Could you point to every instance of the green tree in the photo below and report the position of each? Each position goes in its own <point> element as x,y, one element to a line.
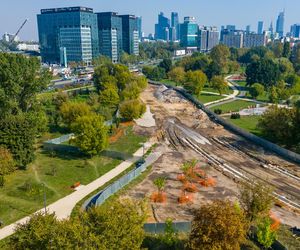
<point>17,134</point>
<point>101,60</point>
<point>277,48</point>
<point>109,96</point>
<point>220,55</point>
<point>90,134</point>
<point>286,50</point>
<point>218,83</point>
<point>265,234</point>
<point>166,64</point>
<point>177,75</point>
<point>7,163</point>
<point>117,225</point>
<point>273,96</point>
<point>122,74</point>
<point>256,199</point>
<point>132,109</point>
<point>70,111</point>
<point>160,183</point>
<point>219,225</point>
<point>256,90</point>
<point>195,81</point>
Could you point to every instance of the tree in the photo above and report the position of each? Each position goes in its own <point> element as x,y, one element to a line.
<point>109,96</point>
<point>90,134</point>
<point>277,49</point>
<point>160,183</point>
<point>264,71</point>
<point>7,163</point>
<point>219,225</point>
<point>117,225</point>
<point>265,234</point>
<point>220,55</point>
<point>132,109</point>
<point>166,64</point>
<point>218,83</point>
<point>286,50</point>
<point>17,134</point>
<point>256,90</point>
<point>195,81</point>
<point>256,199</point>
<point>177,75</point>
<point>122,74</point>
<point>100,60</point>
<point>70,111</point>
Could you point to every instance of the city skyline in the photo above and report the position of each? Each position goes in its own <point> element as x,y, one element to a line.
<point>267,12</point>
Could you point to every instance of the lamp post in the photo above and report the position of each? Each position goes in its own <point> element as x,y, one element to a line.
<point>45,202</point>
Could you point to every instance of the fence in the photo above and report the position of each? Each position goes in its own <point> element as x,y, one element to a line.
<point>159,228</point>
<point>57,144</point>
<point>289,155</point>
<point>103,195</point>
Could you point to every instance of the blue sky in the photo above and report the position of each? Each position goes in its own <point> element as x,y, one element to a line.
<point>207,12</point>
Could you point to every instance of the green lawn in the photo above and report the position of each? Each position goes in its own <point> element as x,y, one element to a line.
<point>249,123</point>
<point>241,83</point>
<point>205,98</point>
<point>23,190</point>
<point>234,106</point>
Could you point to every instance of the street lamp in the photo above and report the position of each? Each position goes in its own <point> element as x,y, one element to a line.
<point>45,202</point>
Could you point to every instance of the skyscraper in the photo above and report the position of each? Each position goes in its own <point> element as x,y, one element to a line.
<point>280,24</point>
<point>175,25</point>
<point>161,26</point>
<point>208,38</point>
<point>110,35</point>
<point>295,30</point>
<point>139,26</point>
<point>68,34</point>
<point>248,28</point>
<point>189,33</point>
<point>260,27</point>
<point>130,34</point>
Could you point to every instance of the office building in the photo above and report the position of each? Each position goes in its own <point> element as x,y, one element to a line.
<point>248,28</point>
<point>189,33</point>
<point>139,27</point>
<point>280,24</point>
<point>161,27</point>
<point>295,31</point>
<point>69,32</point>
<point>174,26</point>
<point>208,38</point>
<point>260,27</point>
<point>130,34</point>
<point>233,38</point>
<point>110,35</point>
<point>254,40</point>
<point>172,34</point>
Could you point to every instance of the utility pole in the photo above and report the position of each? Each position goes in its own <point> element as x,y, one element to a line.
<point>45,202</point>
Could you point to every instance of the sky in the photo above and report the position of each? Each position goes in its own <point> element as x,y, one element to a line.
<point>207,12</point>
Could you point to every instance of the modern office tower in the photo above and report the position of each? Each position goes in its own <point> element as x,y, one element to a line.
<point>226,30</point>
<point>110,35</point>
<point>160,27</point>
<point>260,27</point>
<point>230,27</point>
<point>189,33</point>
<point>248,28</point>
<point>254,40</point>
<point>208,38</point>
<point>139,26</point>
<point>295,30</point>
<point>130,34</point>
<point>72,30</point>
<point>233,38</point>
<point>175,24</point>
<point>280,24</point>
<point>173,34</point>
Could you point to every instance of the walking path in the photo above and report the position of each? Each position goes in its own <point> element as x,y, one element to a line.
<point>228,97</point>
<point>63,207</point>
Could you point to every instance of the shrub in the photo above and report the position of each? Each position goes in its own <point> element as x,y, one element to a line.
<point>235,116</point>
<point>218,111</point>
<point>132,109</point>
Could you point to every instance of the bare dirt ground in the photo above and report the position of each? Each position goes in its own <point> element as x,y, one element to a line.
<point>186,133</point>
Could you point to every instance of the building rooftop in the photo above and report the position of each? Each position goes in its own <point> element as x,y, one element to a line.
<point>66,9</point>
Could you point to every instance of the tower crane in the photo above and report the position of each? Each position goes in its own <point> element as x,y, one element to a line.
<point>21,27</point>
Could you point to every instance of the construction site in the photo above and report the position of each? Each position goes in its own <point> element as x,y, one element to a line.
<point>222,160</point>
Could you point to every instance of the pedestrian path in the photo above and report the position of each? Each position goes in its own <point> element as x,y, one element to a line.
<point>63,207</point>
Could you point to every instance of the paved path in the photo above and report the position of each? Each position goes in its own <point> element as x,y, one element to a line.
<point>63,207</point>
<point>228,97</point>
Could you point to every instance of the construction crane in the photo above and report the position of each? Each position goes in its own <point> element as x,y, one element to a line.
<point>15,35</point>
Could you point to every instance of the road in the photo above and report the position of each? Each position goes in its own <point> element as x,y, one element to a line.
<point>63,207</point>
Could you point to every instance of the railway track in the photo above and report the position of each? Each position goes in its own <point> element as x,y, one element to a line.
<point>289,196</point>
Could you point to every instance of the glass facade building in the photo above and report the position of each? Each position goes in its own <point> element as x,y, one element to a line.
<point>130,34</point>
<point>161,27</point>
<point>189,33</point>
<point>73,30</point>
<point>280,24</point>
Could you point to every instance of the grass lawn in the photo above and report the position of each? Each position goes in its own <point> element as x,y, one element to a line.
<point>234,106</point>
<point>241,83</point>
<point>249,123</point>
<point>205,98</point>
<point>23,190</point>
